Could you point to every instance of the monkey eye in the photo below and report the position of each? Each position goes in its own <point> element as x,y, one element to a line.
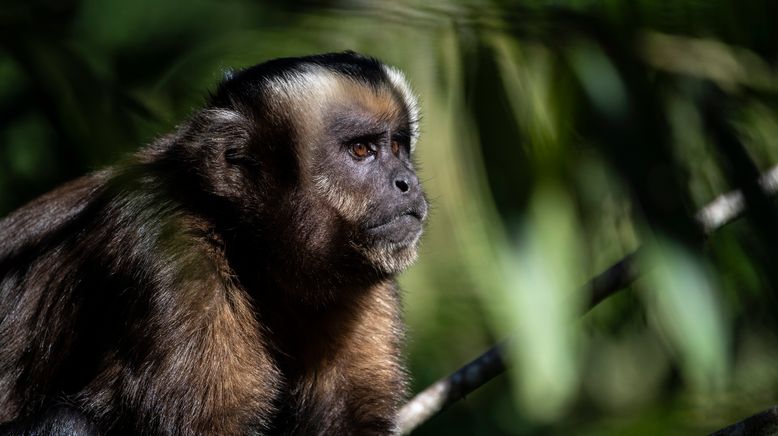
<point>395,148</point>
<point>361,150</point>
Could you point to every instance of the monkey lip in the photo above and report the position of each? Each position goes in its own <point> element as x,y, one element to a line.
<point>405,227</point>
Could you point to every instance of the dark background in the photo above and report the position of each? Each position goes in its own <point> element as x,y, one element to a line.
<point>557,137</point>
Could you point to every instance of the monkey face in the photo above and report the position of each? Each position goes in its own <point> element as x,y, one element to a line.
<point>363,170</point>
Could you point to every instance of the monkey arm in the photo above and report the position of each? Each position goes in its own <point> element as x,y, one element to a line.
<point>353,380</point>
<point>375,362</point>
<point>194,355</point>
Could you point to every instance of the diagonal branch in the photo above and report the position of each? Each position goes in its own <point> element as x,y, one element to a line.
<point>764,423</point>
<point>446,391</point>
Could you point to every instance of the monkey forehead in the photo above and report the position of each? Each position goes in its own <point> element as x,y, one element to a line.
<point>364,112</point>
<point>312,96</point>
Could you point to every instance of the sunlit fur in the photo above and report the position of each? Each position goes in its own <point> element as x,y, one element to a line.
<point>392,258</point>
<point>409,98</point>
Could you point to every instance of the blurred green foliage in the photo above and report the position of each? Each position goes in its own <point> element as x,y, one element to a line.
<point>558,136</point>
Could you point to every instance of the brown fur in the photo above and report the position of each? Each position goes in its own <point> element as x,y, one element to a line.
<point>213,284</point>
<point>344,361</point>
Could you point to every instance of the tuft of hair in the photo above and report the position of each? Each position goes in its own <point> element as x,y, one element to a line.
<point>314,73</point>
<point>400,82</point>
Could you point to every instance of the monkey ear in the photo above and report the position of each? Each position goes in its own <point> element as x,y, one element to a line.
<point>221,137</point>
<point>227,132</point>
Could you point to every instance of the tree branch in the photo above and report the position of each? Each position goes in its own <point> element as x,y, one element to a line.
<point>446,391</point>
<point>764,423</point>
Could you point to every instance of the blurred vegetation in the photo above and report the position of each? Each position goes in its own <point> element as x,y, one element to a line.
<point>558,136</point>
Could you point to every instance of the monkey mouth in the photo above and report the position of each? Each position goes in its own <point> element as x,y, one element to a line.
<point>400,229</point>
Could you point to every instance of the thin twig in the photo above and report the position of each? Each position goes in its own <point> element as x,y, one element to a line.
<point>446,391</point>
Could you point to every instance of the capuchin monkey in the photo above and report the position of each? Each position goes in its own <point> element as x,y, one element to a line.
<point>234,277</point>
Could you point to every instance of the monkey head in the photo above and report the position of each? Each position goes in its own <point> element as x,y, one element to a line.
<point>330,140</point>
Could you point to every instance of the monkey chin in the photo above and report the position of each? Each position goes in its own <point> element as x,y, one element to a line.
<point>391,257</point>
<point>392,246</point>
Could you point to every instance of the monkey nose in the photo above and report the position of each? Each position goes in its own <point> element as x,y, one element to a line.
<point>406,182</point>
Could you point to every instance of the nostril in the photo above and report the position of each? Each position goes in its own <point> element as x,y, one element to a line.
<point>402,185</point>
